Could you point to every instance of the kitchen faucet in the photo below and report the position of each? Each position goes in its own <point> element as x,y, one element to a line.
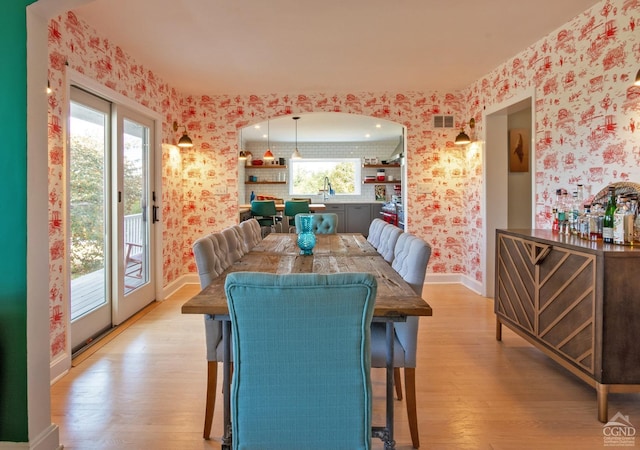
<point>326,189</point>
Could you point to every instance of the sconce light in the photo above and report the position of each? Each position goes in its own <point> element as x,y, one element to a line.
<point>268,155</point>
<point>185,141</point>
<point>296,154</point>
<point>637,83</point>
<point>49,90</point>
<point>463,138</point>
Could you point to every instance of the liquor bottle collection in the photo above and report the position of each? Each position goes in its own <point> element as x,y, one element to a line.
<point>615,222</point>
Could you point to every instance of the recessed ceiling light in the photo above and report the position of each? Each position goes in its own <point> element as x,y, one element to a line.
<point>378,125</point>
<point>367,135</point>
<point>257,126</point>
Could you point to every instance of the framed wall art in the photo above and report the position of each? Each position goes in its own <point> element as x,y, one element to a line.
<point>519,142</point>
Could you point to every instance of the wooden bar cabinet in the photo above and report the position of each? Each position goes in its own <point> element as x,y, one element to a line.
<point>578,301</point>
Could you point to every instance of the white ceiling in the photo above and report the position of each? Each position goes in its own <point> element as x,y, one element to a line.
<point>285,46</point>
<point>312,127</point>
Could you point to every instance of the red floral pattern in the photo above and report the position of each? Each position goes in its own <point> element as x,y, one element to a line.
<point>587,118</point>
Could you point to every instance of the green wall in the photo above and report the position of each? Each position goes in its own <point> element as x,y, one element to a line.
<point>13,228</point>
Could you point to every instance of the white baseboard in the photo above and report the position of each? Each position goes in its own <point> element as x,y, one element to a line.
<point>173,287</point>
<point>59,367</point>
<point>49,439</point>
<point>452,278</point>
<point>442,278</point>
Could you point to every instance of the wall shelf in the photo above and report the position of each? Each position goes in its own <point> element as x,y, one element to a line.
<point>382,182</point>
<point>268,166</point>
<point>381,166</point>
<point>265,182</point>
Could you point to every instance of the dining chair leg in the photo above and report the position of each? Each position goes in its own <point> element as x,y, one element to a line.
<point>410,390</point>
<point>212,381</point>
<point>397,380</point>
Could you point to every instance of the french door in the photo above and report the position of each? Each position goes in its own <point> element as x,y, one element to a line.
<point>110,199</point>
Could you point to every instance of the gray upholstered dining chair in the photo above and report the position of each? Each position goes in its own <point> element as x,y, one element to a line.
<point>323,223</point>
<point>251,232</point>
<point>236,246</point>
<point>375,228</point>
<point>211,260</point>
<point>285,328</point>
<point>388,238</point>
<point>410,260</point>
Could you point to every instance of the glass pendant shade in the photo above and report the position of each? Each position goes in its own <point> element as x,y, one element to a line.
<point>242,155</point>
<point>296,153</point>
<point>637,83</point>
<point>268,155</point>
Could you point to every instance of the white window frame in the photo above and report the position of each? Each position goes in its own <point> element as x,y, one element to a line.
<point>319,162</point>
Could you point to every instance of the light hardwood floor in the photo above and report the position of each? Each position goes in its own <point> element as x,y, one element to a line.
<point>145,388</point>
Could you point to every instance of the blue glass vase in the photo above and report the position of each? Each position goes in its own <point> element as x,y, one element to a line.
<point>306,238</point>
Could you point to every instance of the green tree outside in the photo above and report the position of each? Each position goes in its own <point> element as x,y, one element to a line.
<point>87,200</point>
<point>309,177</point>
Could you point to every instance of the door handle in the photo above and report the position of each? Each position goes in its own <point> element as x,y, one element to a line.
<point>155,214</point>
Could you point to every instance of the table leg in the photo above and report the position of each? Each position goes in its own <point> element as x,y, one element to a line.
<point>226,384</point>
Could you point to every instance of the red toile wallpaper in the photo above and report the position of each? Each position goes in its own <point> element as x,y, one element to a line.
<point>587,115</point>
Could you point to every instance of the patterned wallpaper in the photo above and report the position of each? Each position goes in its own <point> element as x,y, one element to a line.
<point>587,115</point>
<point>587,111</point>
<point>74,44</point>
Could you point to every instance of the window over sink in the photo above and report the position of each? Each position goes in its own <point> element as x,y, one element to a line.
<point>309,176</point>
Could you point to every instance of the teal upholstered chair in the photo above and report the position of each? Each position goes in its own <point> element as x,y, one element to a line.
<point>323,223</point>
<point>293,207</point>
<point>265,212</point>
<point>411,256</point>
<point>301,377</point>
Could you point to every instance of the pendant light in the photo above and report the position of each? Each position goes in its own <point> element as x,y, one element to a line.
<point>637,83</point>
<point>296,153</point>
<point>242,155</point>
<point>268,155</point>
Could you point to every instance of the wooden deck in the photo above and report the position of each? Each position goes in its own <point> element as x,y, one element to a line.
<point>88,291</point>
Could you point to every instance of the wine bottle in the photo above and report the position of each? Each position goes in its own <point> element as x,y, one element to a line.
<point>607,223</point>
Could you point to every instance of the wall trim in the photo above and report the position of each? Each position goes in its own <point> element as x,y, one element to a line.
<point>59,367</point>
<point>47,440</point>
<point>452,278</point>
<point>174,286</point>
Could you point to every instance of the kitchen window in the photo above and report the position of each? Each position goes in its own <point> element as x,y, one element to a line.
<point>310,176</point>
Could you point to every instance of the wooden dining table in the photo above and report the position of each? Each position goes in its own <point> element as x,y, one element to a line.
<point>278,253</point>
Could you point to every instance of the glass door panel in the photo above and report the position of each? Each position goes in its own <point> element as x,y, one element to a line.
<point>134,194</point>
<point>88,224</point>
<point>134,181</point>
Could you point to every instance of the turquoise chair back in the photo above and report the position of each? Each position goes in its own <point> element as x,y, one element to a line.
<point>323,223</point>
<point>293,207</point>
<point>265,212</point>
<point>301,377</point>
